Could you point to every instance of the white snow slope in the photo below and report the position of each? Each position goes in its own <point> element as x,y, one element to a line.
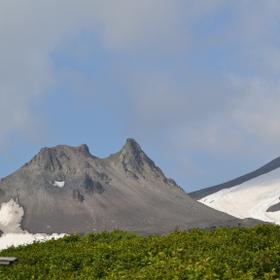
<point>15,239</point>
<point>250,199</point>
<point>11,214</point>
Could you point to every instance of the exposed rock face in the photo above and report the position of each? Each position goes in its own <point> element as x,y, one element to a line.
<point>274,208</point>
<point>66,189</point>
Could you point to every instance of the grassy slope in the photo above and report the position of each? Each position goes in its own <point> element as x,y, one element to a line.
<point>235,253</point>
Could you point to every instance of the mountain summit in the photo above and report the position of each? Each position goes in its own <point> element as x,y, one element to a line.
<point>59,158</point>
<point>67,189</point>
<point>133,160</point>
<point>132,157</point>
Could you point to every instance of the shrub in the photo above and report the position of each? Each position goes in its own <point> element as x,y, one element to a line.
<point>223,253</point>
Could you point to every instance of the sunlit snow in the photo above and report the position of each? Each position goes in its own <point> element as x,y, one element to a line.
<point>250,199</point>
<point>59,184</point>
<point>16,239</point>
<point>11,214</point>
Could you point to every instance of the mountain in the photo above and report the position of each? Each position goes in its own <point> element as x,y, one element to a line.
<point>66,189</point>
<point>254,195</point>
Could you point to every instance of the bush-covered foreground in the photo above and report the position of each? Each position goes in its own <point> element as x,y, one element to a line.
<point>235,253</point>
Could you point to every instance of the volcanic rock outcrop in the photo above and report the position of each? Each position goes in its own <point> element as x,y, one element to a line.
<point>66,189</point>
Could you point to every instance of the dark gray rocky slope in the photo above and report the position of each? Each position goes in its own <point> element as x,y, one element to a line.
<point>272,165</point>
<point>124,191</point>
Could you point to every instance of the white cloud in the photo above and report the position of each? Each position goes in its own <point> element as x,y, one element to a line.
<point>257,111</point>
<point>227,114</point>
<point>31,31</point>
<point>211,111</point>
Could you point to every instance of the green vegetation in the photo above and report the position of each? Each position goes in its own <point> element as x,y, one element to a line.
<point>224,253</point>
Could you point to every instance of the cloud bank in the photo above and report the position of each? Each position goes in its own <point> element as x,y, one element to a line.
<point>200,75</point>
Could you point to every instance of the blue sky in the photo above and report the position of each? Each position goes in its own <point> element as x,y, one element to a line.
<point>196,83</point>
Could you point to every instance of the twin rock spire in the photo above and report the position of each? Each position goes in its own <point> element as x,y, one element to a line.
<point>131,157</point>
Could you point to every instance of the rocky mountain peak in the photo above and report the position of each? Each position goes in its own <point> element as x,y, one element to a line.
<point>134,160</point>
<point>65,189</point>
<point>60,157</point>
<point>62,160</point>
<point>132,150</point>
<point>84,149</point>
<point>132,156</point>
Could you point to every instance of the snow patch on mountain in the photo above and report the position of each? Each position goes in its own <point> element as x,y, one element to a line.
<point>250,199</point>
<point>15,239</point>
<point>59,184</point>
<point>11,215</point>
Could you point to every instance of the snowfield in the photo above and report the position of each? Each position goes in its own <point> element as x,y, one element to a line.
<point>15,239</point>
<point>11,214</point>
<point>250,199</point>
